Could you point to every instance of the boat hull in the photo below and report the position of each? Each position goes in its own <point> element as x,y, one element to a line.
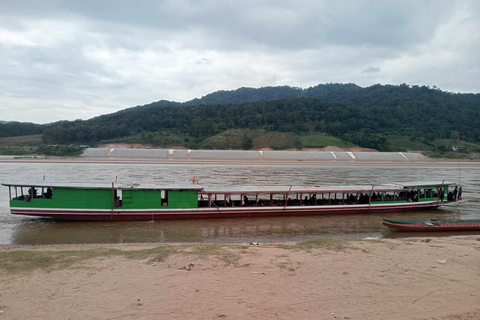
<point>214,212</point>
<point>433,226</point>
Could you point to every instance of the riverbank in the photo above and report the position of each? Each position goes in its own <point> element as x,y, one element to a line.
<point>437,163</point>
<point>431,278</point>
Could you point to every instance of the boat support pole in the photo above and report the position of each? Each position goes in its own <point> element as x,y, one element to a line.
<point>438,198</point>
<point>370,198</point>
<point>286,199</point>
<point>113,200</point>
<point>213,202</point>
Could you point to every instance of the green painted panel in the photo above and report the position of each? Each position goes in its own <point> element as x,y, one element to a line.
<point>141,199</point>
<point>182,199</point>
<point>70,199</point>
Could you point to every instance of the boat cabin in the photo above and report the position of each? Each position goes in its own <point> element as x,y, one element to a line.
<point>101,195</point>
<point>116,196</point>
<point>311,196</point>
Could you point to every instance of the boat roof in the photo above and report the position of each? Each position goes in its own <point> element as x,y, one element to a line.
<point>229,189</point>
<point>299,189</point>
<point>103,185</point>
<point>427,183</point>
<point>321,189</point>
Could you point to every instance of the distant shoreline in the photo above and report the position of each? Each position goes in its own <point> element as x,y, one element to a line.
<point>239,162</point>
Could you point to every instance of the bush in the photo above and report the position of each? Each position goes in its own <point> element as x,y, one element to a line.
<point>59,150</point>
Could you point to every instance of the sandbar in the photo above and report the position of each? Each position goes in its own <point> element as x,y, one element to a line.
<point>424,279</point>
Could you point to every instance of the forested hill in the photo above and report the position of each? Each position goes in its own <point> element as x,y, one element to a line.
<point>363,116</point>
<point>360,115</point>
<point>13,128</point>
<point>376,95</point>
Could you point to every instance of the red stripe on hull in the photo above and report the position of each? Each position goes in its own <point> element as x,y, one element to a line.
<point>145,215</point>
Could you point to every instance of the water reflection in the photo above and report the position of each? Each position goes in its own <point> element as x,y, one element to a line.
<point>271,229</point>
<point>21,230</point>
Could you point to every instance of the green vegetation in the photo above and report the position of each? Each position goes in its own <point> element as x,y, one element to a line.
<point>21,145</point>
<point>232,139</point>
<point>27,260</point>
<point>31,140</point>
<point>14,129</point>
<point>448,144</point>
<point>402,143</point>
<point>40,149</point>
<point>59,150</point>
<point>276,140</point>
<point>320,140</point>
<point>383,117</point>
<point>165,139</point>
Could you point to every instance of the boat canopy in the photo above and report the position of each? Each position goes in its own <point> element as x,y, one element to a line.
<point>230,189</point>
<point>417,184</point>
<point>102,185</point>
<point>301,189</point>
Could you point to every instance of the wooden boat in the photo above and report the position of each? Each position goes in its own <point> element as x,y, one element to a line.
<point>116,201</point>
<point>433,225</point>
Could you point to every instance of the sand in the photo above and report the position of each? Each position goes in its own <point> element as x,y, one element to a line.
<point>431,278</point>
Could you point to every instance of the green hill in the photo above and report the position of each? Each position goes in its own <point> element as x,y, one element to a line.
<point>383,117</point>
<point>321,140</point>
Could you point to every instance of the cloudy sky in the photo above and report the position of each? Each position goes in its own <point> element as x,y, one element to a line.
<point>79,59</point>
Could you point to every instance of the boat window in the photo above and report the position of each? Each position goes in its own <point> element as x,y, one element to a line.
<point>388,196</point>
<point>402,195</point>
<point>35,192</point>
<point>218,200</point>
<point>263,200</point>
<point>428,193</point>
<point>350,198</point>
<point>14,193</point>
<point>164,195</point>
<point>118,197</point>
<point>47,193</point>
<point>335,198</point>
<point>202,200</point>
<point>310,199</point>
<point>322,199</point>
<point>248,200</point>
<point>279,199</point>
<point>293,199</point>
<point>421,193</point>
<point>376,196</point>
<point>435,193</point>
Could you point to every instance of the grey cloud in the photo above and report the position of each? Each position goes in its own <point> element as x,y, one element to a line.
<point>371,70</point>
<point>108,55</point>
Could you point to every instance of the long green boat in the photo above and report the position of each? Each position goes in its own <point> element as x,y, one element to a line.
<point>117,201</point>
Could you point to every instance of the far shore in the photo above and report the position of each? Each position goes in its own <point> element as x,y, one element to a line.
<point>332,163</point>
<point>370,279</point>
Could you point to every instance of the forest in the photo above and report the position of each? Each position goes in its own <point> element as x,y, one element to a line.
<point>362,116</point>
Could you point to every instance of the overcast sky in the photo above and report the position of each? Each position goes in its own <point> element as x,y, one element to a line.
<point>79,59</point>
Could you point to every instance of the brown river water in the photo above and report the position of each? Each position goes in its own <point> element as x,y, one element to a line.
<point>18,230</point>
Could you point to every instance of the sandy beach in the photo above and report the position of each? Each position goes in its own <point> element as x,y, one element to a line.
<point>430,278</point>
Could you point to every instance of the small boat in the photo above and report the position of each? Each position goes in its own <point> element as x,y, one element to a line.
<point>118,201</point>
<point>433,225</point>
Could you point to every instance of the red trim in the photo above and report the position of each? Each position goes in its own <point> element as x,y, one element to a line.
<point>105,215</point>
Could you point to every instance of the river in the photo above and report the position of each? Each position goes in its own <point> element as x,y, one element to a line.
<point>18,230</point>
